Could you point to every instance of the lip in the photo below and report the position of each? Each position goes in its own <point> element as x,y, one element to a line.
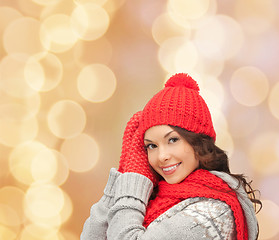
<point>172,170</point>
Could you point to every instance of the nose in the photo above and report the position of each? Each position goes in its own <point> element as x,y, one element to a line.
<point>164,154</point>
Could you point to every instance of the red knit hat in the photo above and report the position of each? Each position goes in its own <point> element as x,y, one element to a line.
<point>178,104</point>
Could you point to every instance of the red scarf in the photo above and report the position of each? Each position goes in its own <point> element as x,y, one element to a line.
<point>200,183</point>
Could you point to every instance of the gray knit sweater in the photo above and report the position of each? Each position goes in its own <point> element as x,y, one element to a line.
<point>120,213</point>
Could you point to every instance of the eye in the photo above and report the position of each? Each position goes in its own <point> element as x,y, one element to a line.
<point>150,146</point>
<point>173,139</point>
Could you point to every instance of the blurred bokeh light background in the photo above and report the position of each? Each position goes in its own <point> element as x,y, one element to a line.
<point>72,72</point>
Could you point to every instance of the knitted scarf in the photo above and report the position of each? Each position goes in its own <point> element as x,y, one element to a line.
<point>200,183</point>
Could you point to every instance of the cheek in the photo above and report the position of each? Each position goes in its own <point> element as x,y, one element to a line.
<point>191,159</point>
<point>151,160</point>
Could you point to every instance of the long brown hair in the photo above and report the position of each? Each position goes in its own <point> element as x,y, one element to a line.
<point>212,157</point>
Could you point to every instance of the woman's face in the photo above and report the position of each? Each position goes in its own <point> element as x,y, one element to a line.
<point>169,154</point>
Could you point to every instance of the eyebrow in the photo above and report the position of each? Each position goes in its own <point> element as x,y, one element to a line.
<point>164,136</point>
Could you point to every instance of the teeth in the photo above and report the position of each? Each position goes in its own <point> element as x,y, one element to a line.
<point>170,168</point>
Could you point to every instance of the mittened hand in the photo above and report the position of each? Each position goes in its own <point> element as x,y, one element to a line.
<point>137,160</point>
<point>134,157</point>
<point>129,132</point>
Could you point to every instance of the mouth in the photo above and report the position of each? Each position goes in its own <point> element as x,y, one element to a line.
<point>170,169</point>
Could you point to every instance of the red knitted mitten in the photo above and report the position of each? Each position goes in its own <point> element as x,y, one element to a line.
<point>133,156</point>
<point>129,132</point>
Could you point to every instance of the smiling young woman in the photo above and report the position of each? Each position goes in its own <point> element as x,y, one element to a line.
<point>173,182</point>
<point>170,155</point>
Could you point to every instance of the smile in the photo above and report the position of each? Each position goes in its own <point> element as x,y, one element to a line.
<point>171,168</point>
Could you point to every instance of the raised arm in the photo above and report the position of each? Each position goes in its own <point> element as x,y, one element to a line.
<point>95,227</point>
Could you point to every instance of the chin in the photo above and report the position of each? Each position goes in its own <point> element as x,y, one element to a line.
<point>173,181</point>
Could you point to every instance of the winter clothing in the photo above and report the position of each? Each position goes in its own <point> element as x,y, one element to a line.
<point>200,183</point>
<point>133,156</point>
<point>178,104</point>
<point>205,205</point>
<point>120,213</point>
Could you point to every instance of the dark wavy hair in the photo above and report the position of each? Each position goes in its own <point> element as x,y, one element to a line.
<point>212,157</point>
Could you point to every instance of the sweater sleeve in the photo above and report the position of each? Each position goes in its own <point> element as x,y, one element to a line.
<point>95,227</point>
<point>126,216</point>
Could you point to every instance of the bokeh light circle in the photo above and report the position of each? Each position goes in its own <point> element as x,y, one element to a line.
<point>43,71</point>
<point>219,37</point>
<point>46,2</point>
<point>99,2</point>
<point>67,209</point>
<point>66,119</point>
<point>212,67</point>
<point>186,57</point>
<point>90,21</point>
<point>14,132</point>
<point>163,28</point>
<point>19,108</point>
<point>18,121</point>
<point>219,120</point>
<point>12,76</point>
<point>81,152</point>
<point>44,166</point>
<point>21,158</point>
<point>225,141</point>
<point>56,33</point>
<point>273,101</point>
<point>44,200</point>
<point>167,52</point>
<point>62,169</point>
<point>50,166</point>
<point>8,15</point>
<point>57,217</point>
<point>22,36</point>
<point>263,153</point>
<point>41,219</point>
<point>249,86</point>
<point>96,83</point>
<point>212,92</point>
<point>188,9</point>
